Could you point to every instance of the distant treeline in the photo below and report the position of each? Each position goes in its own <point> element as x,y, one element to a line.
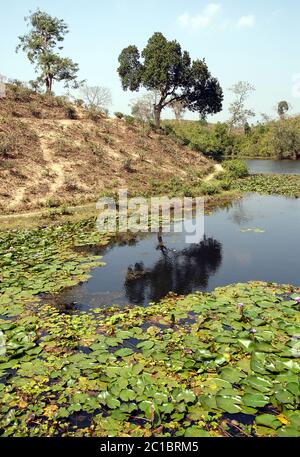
<point>274,139</point>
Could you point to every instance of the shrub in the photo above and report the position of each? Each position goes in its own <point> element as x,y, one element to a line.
<point>108,140</point>
<point>53,203</point>
<point>119,115</point>
<point>93,114</point>
<point>71,112</point>
<point>129,120</point>
<point>142,154</point>
<point>6,145</point>
<point>36,112</point>
<point>61,101</point>
<point>96,149</point>
<point>236,168</point>
<point>79,102</point>
<point>168,129</point>
<point>20,92</point>
<point>226,184</point>
<point>127,165</point>
<point>210,188</point>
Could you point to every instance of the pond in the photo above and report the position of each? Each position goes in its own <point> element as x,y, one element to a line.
<point>255,238</point>
<point>274,166</point>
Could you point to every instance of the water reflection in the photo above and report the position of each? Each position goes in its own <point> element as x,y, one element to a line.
<point>256,238</point>
<point>274,166</point>
<point>175,271</point>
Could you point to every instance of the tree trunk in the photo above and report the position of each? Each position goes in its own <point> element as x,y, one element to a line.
<point>48,81</point>
<point>157,113</point>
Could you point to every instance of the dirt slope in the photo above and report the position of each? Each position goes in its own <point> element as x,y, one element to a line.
<point>46,161</point>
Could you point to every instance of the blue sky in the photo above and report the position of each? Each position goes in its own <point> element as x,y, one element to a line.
<point>257,41</point>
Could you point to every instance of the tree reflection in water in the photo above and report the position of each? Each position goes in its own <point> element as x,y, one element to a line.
<point>175,271</point>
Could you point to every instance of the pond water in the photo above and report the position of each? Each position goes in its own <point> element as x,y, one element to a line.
<point>255,238</point>
<point>274,166</point>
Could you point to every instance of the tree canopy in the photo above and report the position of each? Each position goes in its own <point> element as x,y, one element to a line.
<point>163,67</point>
<point>282,108</point>
<point>42,44</point>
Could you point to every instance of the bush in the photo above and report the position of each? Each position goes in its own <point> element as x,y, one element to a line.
<point>236,168</point>
<point>127,165</point>
<point>79,102</point>
<point>71,112</point>
<point>211,188</point>
<point>93,114</point>
<point>119,115</point>
<point>36,112</point>
<point>168,129</point>
<point>96,149</point>
<point>129,120</point>
<point>20,92</point>
<point>6,145</point>
<point>53,203</point>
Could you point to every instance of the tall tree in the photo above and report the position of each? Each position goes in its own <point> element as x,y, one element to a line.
<point>167,69</point>
<point>42,44</point>
<point>282,108</point>
<point>239,113</point>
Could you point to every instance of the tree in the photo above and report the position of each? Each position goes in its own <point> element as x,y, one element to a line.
<point>96,98</point>
<point>178,109</point>
<point>282,109</point>
<point>170,72</point>
<point>286,139</point>
<point>143,108</point>
<point>40,44</point>
<point>239,113</point>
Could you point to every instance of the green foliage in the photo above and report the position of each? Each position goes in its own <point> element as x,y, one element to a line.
<point>129,120</point>
<point>47,34</point>
<point>212,140</point>
<point>288,185</point>
<point>169,71</point>
<point>275,139</point>
<point>211,188</point>
<point>19,92</point>
<point>53,203</point>
<point>114,367</point>
<point>119,115</point>
<point>282,108</point>
<point>236,168</point>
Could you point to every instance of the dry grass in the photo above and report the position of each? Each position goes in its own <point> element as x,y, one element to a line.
<point>49,159</point>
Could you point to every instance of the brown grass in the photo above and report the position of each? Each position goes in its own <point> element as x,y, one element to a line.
<point>52,159</point>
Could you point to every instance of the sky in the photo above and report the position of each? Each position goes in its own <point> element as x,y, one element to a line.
<point>241,40</point>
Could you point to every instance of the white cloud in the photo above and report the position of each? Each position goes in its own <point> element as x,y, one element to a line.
<point>246,21</point>
<point>202,20</point>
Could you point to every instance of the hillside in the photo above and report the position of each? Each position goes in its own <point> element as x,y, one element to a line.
<point>54,152</point>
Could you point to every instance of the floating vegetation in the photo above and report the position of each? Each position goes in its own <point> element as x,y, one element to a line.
<point>219,364</point>
<point>45,260</point>
<point>288,185</point>
<point>253,230</point>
